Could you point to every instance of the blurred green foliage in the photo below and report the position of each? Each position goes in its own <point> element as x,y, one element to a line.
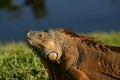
<point>110,38</point>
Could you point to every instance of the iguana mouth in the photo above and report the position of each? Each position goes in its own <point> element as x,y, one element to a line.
<point>52,56</point>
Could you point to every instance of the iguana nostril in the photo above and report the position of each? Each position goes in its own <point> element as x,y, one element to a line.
<point>29,34</point>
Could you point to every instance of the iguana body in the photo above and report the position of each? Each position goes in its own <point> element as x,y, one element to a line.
<point>78,57</point>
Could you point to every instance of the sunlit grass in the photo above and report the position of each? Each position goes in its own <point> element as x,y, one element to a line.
<point>18,62</point>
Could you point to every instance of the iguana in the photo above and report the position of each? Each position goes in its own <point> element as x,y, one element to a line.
<point>69,56</point>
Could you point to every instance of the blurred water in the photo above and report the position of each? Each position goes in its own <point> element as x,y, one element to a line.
<point>19,16</point>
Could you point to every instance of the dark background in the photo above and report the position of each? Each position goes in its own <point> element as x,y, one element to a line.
<point>19,16</point>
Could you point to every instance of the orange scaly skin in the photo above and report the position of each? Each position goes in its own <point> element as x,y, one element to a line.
<point>77,57</point>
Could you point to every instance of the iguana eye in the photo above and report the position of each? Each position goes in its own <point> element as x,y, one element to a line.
<point>40,35</point>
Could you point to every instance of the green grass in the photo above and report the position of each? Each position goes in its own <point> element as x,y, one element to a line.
<point>18,62</point>
<point>111,38</point>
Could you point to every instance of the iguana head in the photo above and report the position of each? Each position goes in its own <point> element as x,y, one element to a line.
<point>45,44</point>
